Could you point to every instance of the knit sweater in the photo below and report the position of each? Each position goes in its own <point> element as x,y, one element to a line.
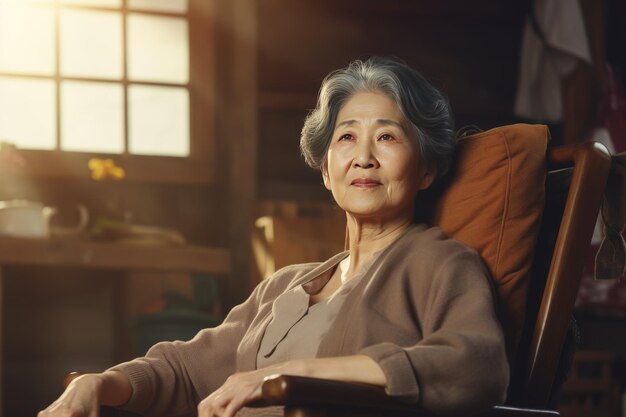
<point>424,311</point>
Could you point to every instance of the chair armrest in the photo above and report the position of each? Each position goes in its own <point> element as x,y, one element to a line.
<point>505,411</point>
<point>300,391</point>
<point>69,378</point>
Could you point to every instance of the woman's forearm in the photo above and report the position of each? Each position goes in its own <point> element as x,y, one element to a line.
<point>108,388</point>
<point>115,389</point>
<point>85,394</point>
<point>354,368</point>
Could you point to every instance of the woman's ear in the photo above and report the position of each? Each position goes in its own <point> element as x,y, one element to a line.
<point>325,177</point>
<point>426,180</point>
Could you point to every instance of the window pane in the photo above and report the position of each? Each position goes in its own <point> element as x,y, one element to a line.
<point>26,39</point>
<point>157,49</point>
<point>100,3</point>
<point>28,112</point>
<point>158,120</point>
<point>92,117</point>
<point>28,1</point>
<point>172,6</point>
<point>91,44</point>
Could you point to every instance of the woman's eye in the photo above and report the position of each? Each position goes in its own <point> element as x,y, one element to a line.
<point>347,136</point>
<point>385,137</point>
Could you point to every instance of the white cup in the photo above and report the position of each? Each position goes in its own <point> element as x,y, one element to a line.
<point>29,219</point>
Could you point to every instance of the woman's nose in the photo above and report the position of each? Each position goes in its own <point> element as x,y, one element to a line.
<point>365,157</point>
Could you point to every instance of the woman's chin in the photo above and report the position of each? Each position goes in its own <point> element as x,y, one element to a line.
<point>367,213</point>
<point>377,213</point>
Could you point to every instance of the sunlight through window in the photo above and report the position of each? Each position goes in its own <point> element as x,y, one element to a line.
<point>157,49</point>
<point>159,120</point>
<point>26,48</point>
<point>91,117</point>
<point>91,44</point>
<point>28,112</point>
<point>106,76</point>
<point>101,3</point>
<point>174,6</point>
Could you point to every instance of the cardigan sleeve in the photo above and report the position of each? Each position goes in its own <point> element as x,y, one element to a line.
<point>460,363</point>
<point>174,376</point>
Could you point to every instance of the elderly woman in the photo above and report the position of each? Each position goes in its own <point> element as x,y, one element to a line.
<point>405,308</point>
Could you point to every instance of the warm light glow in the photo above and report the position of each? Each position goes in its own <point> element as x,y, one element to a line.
<point>99,3</point>
<point>27,2</point>
<point>157,49</point>
<point>159,120</point>
<point>89,80</point>
<point>26,48</point>
<point>28,112</point>
<point>171,6</point>
<point>92,119</point>
<point>91,44</point>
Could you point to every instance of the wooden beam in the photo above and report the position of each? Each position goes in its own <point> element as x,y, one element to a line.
<point>1,345</point>
<point>137,168</point>
<point>237,133</point>
<point>582,88</point>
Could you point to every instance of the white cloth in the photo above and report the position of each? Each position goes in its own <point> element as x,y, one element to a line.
<point>544,62</point>
<point>602,135</point>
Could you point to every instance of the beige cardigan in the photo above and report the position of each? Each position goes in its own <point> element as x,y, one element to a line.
<point>424,312</point>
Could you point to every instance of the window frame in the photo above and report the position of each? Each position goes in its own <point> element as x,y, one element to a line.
<point>197,168</point>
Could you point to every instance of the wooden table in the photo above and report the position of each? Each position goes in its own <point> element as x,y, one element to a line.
<point>111,255</point>
<point>74,252</point>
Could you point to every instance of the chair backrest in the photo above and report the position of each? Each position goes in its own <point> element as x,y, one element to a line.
<point>531,230</point>
<point>574,191</point>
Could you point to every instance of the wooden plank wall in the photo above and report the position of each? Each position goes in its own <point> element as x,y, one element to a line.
<point>469,49</point>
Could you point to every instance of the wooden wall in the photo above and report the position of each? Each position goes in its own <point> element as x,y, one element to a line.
<point>469,49</point>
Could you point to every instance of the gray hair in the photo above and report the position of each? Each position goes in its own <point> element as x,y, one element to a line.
<point>425,107</point>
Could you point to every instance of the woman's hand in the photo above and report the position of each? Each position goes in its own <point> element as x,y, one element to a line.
<point>85,394</point>
<point>240,389</point>
<point>80,399</point>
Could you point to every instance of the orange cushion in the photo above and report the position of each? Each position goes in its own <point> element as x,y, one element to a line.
<point>494,204</point>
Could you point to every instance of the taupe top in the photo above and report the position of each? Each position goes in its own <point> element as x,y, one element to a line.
<point>297,328</point>
<point>424,311</point>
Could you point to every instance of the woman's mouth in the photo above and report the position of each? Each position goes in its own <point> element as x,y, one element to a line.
<point>365,183</point>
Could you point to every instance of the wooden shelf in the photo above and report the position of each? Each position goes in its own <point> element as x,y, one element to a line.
<point>65,252</point>
<point>138,168</point>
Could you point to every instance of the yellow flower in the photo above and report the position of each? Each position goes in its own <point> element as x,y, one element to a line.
<point>102,169</point>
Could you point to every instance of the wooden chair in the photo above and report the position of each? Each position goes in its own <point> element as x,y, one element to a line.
<point>574,186</point>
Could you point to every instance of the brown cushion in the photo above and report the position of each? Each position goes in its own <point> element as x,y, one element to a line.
<point>494,204</point>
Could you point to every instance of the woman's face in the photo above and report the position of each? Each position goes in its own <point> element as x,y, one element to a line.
<point>373,164</point>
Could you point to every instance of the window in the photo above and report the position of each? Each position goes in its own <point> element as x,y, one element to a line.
<point>98,76</point>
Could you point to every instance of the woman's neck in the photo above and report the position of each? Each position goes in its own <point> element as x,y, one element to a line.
<point>366,238</point>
